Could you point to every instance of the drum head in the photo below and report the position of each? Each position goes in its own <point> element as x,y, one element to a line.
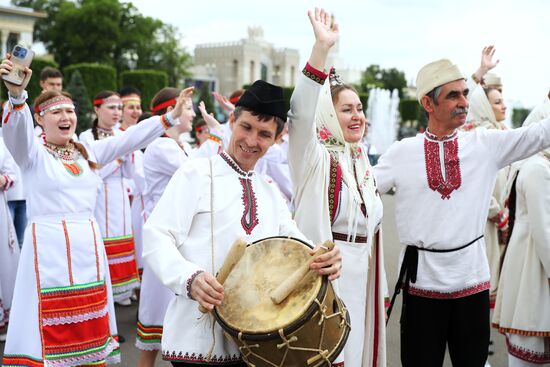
<point>265,264</point>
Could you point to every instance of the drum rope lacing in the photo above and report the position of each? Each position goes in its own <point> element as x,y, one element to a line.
<point>246,349</point>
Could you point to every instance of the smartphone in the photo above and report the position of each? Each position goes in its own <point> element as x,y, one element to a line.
<point>21,58</point>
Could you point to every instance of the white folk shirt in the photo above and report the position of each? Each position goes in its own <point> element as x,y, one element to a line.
<point>437,213</point>
<point>178,244</point>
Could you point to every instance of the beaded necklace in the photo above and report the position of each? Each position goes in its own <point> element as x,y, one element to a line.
<point>68,155</point>
<point>104,133</point>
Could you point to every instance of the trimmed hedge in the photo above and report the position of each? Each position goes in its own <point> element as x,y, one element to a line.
<point>149,82</point>
<point>97,77</point>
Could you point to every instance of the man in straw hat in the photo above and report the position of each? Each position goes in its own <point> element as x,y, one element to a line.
<point>208,204</point>
<point>443,180</point>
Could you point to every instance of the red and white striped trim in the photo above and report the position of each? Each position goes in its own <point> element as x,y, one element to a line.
<point>427,293</point>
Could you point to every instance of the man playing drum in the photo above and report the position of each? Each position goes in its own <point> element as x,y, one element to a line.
<point>209,204</point>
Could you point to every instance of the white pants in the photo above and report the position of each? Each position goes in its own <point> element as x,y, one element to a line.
<point>516,362</point>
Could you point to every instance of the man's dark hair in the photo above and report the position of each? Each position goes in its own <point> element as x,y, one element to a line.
<point>49,72</point>
<point>127,90</point>
<point>262,117</point>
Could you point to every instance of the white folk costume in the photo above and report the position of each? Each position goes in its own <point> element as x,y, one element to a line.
<point>178,245</point>
<point>162,159</point>
<point>63,313</point>
<point>443,190</point>
<point>522,311</point>
<point>335,197</point>
<point>482,116</point>
<point>114,215</point>
<point>9,249</point>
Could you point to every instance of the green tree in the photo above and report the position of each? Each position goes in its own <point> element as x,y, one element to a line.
<point>78,91</point>
<point>376,77</point>
<point>109,32</point>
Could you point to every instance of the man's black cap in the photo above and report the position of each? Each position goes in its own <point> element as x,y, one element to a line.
<point>264,98</point>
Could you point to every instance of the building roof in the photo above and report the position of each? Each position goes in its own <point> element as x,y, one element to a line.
<point>26,12</point>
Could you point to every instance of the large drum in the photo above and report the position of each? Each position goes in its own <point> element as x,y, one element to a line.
<point>309,328</point>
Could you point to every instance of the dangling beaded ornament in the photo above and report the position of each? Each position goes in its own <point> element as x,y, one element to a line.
<point>68,155</point>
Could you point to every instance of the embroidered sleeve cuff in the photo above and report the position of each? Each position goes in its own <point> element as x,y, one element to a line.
<point>18,102</point>
<point>167,120</point>
<point>7,184</point>
<point>190,281</point>
<point>314,74</point>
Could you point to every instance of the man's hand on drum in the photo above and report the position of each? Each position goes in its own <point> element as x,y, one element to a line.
<point>328,264</point>
<point>207,291</point>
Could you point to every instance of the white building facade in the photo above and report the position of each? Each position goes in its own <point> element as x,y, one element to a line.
<point>234,64</point>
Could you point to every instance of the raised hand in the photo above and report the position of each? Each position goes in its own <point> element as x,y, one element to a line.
<point>324,27</point>
<point>487,62</point>
<point>208,118</point>
<point>326,35</point>
<point>5,68</point>
<point>223,102</point>
<point>183,99</point>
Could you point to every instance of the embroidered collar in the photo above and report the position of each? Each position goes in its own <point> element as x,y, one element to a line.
<point>433,137</point>
<point>227,158</point>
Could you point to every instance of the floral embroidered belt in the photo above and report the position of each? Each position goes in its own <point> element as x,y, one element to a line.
<point>409,268</point>
<point>344,237</point>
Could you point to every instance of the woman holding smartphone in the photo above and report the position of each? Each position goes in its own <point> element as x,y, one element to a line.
<point>62,312</point>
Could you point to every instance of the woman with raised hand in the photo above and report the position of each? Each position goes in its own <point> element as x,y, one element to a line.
<point>335,193</point>
<point>112,211</point>
<point>487,110</point>
<point>62,312</point>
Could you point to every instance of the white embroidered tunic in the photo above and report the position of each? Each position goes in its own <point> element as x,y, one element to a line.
<point>443,190</point>
<point>177,244</point>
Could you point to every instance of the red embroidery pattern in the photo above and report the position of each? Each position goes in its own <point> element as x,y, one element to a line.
<point>314,74</point>
<point>436,181</point>
<point>249,220</point>
<point>193,357</point>
<point>334,188</point>
<point>530,355</point>
<point>449,295</point>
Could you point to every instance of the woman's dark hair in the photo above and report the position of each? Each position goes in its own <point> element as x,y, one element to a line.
<point>101,95</point>
<point>127,90</point>
<point>164,95</point>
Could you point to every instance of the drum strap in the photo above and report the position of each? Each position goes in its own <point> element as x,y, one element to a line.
<point>409,268</point>
<point>209,355</point>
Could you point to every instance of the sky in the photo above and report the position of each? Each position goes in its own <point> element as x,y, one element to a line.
<point>405,34</point>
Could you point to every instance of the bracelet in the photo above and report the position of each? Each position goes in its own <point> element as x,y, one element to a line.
<point>167,120</point>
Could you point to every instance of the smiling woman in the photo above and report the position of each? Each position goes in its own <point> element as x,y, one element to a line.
<point>336,196</point>
<point>62,312</point>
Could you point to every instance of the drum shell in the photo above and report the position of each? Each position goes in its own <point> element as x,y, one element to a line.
<point>312,333</point>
